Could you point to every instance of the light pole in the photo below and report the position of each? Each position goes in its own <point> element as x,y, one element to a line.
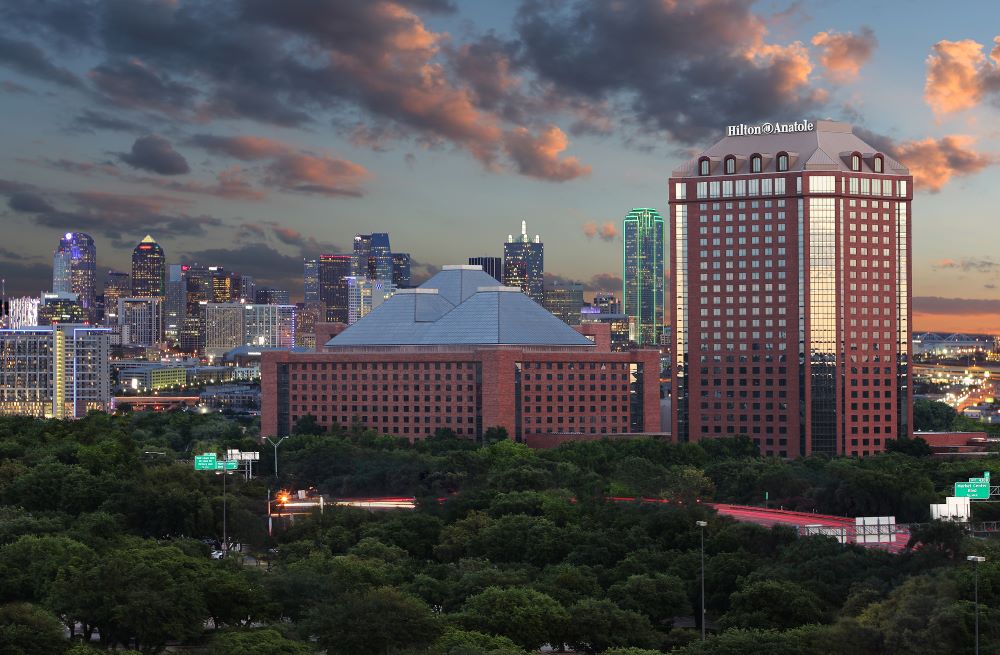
<point>976,559</point>
<point>702,525</point>
<point>276,453</point>
<point>225,535</point>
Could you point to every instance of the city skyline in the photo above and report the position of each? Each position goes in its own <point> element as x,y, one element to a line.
<point>471,106</point>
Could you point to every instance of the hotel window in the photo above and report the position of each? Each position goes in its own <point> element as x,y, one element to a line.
<point>782,161</point>
<point>879,164</point>
<point>703,166</point>
<point>855,162</point>
<point>756,162</point>
<point>730,165</point>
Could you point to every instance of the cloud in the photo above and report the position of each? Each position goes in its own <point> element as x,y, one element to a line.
<point>155,154</point>
<point>954,306</point>
<point>316,174</point>
<point>968,315</point>
<point>266,264</point>
<point>246,148</point>
<point>89,120</point>
<point>933,162</point>
<point>13,87</point>
<point>680,67</point>
<point>28,59</point>
<point>25,278</point>
<point>604,282</point>
<point>843,54</point>
<point>28,202</point>
<point>959,74</point>
<point>538,156</point>
<point>606,231</point>
<point>968,264</point>
<point>134,84</point>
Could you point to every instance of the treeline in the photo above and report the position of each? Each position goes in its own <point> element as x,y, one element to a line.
<point>106,531</point>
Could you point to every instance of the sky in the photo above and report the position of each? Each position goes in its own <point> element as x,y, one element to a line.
<point>253,133</point>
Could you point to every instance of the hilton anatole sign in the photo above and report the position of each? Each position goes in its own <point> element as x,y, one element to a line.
<point>770,128</point>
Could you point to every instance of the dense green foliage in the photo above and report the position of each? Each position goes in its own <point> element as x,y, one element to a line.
<point>103,527</point>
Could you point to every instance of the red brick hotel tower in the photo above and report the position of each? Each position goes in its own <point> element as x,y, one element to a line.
<point>790,274</point>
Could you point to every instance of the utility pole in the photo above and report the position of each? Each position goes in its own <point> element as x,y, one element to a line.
<point>976,559</point>
<point>702,525</point>
<point>276,453</point>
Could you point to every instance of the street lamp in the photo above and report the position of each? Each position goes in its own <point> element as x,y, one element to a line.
<point>976,560</point>
<point>225,535</point>
<point>276,453</point>
<point>702,525</point>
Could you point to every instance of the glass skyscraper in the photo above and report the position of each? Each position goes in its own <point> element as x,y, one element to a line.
<point>310,279</point>
<point>149,270</point>
<point>492,265</point>
<point>642,274</point>
<point>333,273</point>
<point>524,264</point>
<point>401,270</point>
<point>74,268</point>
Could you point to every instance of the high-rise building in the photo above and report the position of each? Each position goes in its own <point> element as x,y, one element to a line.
<point>141,320</point>
<point>564,301</point>
<point>269,326</point>
<point>310,279</point>
<point>149,270</point>
<point>790,275</point>
<point>364,295</point>
<point>117,284</point>
<point>642,274</point>
<point>22,312</point>
<point>198,281</point>
<point>74,269</point>
<point>58,371</point>
<point>225,285</point>
<point>333,273</point>
<point>175,303</point>
<point>524,264</point>
<point>607,303</point>
<point>266,296</point>
<point>223,328</point>
<point>58,308</point>
<point>401,270</point>
<point>380,262</point>
<point>361,254</point>
<point>305,324</point>
<point>248,288</point>
<point>492,265</point>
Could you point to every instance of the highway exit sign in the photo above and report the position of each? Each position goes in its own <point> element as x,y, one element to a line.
<point>973,490</point>
<point>232,465</point>
<point>205,462</point>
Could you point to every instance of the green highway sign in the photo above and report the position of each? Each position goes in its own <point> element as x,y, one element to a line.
<point>974,490</point>
<point>206,462</point>
<point>228,465</point>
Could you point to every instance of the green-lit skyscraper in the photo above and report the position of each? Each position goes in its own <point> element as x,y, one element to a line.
<point>642,273</point>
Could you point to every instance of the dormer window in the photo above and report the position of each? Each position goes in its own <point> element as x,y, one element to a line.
<point>782,161</point>
<point>878,164</point>
<point>856,162</point>
<point>730,165</point>
<point>756,163</point>
<point>703,166</point>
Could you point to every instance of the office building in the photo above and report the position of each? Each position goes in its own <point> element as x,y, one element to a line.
<point>266,296</point>
<point>790,272</point>
<point>642,274</point>
<point>492,265</point>
<point>141,320</point>
<point>305,324</point>
<point>22,312</point>
<point>248,288</point>
<point>222,328</point>
<point>149,270</point>
<point>269,326</point>
<point>464,354</point>
<point>225,285</point>
<point>364,295</point>
<point>401,270</point>
<point>61,307</point>
<point>175,303</point>
<point>58,371</point>
<point>333,273</point>
<point>564,301</point>
<point>607,303</point>
<point>74,269</point>
<point>361,254</point>
<point>310,280</point>
<point>620,327</point>
<point>117,284</point>
<point>524,264</point>
<point>380,262</point>
<point>198,282</point>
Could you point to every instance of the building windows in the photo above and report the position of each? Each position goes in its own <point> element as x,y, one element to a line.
<point>756,163</point>
<point>730,165</point>
<point>855,162</point>
<point>704,167</point>
<point>782,161</point>
<point>878,164</point>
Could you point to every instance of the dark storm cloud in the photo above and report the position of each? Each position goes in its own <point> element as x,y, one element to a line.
<point>89,120</point>
<point>13,87</point>
<point>28,59</point>
<point>954,306</point>
<point>266,264</point>
<point>685,68</point>
<point>28,202</point>
<point>25,278</point>
<point>155,154</point>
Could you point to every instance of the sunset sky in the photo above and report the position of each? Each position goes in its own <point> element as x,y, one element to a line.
<point>251,133</point>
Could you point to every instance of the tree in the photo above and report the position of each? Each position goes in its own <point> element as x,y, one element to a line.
<point>307,425</point>
<point>464,642</point>
<point>27,629</point>
<point>494,434</point>
<point>942,538</point>
<point>528,617</point>
<point>374,621</point>
<point>776,604</point>
<point>916,447</point>
<point>932,416</point>
<point>660,597</point>
<point>266,641</point>
<point>595,625</point>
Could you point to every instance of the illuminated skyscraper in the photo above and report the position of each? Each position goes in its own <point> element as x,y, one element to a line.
<point>401,270</point>
<point>564,301</point>
<point>117,284</point>
<point>74,268</point>
<point>790,271</point>
<point>642,275</point>
<point>524,264</point>
<point>175,303</point>
<point>333,273</point>
<point>142,320</point>
<point>310,279</point>
<point>149,270</point>
<point>380,257</point>
<point>361,253</point>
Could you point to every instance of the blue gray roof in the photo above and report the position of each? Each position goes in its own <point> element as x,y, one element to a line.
<point>461,305</point>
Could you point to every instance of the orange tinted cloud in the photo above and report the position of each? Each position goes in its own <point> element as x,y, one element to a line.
<point>936,314</point>
<point>316,174</point>
<point>958,74</point>
<point>843,54</point>
<point>606,231</point>
<point>538,156</point>
<point>933,162</point>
